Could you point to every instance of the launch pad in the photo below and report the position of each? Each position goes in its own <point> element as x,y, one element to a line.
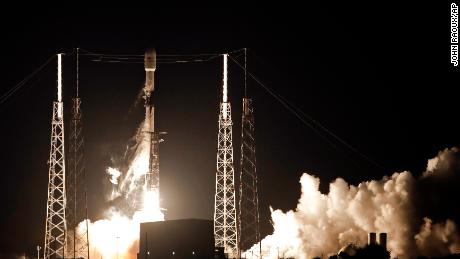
<point>140,187</point>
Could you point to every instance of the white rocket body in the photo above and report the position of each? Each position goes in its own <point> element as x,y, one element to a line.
<point>150,66</point>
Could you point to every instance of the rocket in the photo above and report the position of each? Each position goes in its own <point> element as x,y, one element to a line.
<point>149,66</point>
<point>149,136</point>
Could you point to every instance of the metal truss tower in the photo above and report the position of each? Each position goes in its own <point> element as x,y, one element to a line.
<point>248,213</point>
<point>77,210</point>
<point>55,230</point>
<point>225,221</point>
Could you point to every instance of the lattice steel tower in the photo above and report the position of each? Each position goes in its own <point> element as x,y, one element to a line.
<point>248,202</point>
<point>77,210</point>
<point>55,230</point>
<point>225,221</point>
<point>248,213</point>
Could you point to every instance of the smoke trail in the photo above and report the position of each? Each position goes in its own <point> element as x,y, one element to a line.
<point>323,223</point>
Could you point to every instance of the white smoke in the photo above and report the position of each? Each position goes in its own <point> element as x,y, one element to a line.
<point>117,234</point>
<point>444,164</point>
<point>114,174</point>
<point>438,239</point>
<point>323,223</point>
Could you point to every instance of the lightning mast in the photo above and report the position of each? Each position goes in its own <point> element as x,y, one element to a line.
<point>77,210</point>
<point>248,213</point>
<point>55,230</point>
<point>248,216</point>
<point>225,221</point>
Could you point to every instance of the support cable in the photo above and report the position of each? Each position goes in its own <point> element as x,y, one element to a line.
<point>24,81</point>
<point>162,59</point>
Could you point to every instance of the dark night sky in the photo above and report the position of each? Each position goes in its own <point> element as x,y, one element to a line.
<point>377,76</point>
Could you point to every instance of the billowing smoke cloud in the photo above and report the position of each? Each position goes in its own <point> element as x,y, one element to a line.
<point>438,239</point>
<point>446,163</point>
<point>399,205</point>
<point>116,234</point>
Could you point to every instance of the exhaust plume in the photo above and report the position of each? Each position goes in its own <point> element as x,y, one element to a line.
<point>117,234</point>
<point>397,204</point>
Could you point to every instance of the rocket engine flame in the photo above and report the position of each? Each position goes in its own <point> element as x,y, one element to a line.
<point>323,223</point>
<point>116,236</point>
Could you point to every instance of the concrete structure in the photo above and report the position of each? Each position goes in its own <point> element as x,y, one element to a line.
<point>372,238</point>
<point>179,239</point>
<point>383,240</point>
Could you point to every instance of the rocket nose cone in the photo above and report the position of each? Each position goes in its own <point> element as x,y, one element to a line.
<point>150,59</point>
